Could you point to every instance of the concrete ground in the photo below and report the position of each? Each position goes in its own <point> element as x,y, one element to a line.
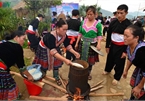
<point>122,87</point>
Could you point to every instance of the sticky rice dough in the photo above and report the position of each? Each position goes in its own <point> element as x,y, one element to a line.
<point>77,65</point>
<point>31,71</point>
<point>36,75</point>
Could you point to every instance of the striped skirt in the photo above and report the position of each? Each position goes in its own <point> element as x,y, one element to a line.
<point>135,80</point>
<point>92,55</point>
<point>8,88</point>
<point>41,57</point>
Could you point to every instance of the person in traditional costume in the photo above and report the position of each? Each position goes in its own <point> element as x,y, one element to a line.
<point>11,53</point>
<point>114,17</point>
<point>48,53</point>
<point>73,31</point>
<point>54,20</point>
<point>133,37</point>
<point>90,33</point>
<point>32,32</point>
<point>61,16</point>
<point>106,25</point>
<point>115,48</point>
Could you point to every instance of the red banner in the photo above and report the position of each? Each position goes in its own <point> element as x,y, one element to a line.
<point>1,4</point>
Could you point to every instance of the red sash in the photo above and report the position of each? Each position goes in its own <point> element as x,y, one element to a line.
<point>3,66</point>
<point>72,39</point>
<point>29,31</point>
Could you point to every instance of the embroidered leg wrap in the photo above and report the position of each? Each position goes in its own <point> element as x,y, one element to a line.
<point>56,76</point>
<point>55,73</point>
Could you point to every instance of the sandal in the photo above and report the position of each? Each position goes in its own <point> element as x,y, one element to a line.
<point>58,82</point>
<point>89,77</point>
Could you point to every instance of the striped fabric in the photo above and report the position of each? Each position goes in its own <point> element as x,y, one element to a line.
<point>135,79</point>
<point>92,56</point>
<point>41,57</point>
<point>8,88</point>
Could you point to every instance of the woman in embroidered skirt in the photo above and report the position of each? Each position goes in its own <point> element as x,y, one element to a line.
<point>11,53</point>
<point>133,37</point>
<point>90,34</point>
<point>49,54</point>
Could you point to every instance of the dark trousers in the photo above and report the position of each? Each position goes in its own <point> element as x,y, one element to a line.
<point>115,61</point>
<point>90,69</point>
<point>105,30</point>
<point>34,41</point>
<point>69,55</point>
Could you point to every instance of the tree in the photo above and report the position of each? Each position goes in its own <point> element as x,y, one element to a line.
<point>83,8</point>
<point>8,21</point>
<point>41,5</point>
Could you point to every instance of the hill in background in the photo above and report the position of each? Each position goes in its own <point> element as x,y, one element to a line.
<point>130,15</point>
